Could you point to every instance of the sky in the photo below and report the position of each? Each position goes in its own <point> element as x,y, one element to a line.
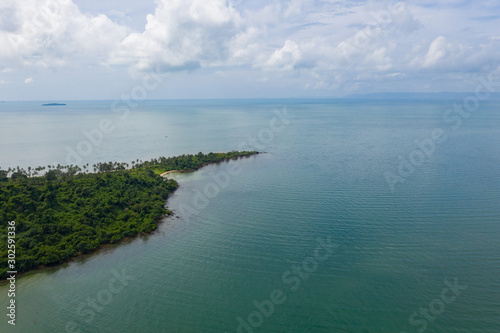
<point>191,49</point>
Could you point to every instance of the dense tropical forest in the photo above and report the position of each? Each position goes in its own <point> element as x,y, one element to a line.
<point>64,211</point>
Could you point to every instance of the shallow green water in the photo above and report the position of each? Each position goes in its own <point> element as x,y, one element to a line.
<point>322,181</point>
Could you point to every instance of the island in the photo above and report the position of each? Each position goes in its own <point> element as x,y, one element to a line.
<point>62,212</point>
<point>54,104</point>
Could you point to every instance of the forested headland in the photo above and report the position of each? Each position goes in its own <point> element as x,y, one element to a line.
<point>65,211</point>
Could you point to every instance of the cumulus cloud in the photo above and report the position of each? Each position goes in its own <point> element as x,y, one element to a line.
<point>437,51</point>
<point>29,80</point>
<point>246,46</point>
<point>183,34</point>
<point>54,33</point>
<point>444,55</point>
<point>285,58</point>
<point>326,44</point>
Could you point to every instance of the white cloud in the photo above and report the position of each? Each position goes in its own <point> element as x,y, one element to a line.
<point>437,51</point>
<point>285,58</point>
<point>295,8</point>
<point>246,46</point>
<point>182,35</point>
<point>444,55</point>
<point>321,45</point>
<point>395,75</point>
<point>29,80</point>
<point>54,33</point>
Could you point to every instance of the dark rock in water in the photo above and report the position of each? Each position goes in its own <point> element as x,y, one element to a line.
<point>54,104</point>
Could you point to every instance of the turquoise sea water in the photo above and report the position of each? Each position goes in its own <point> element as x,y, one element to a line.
<point>423,256</point>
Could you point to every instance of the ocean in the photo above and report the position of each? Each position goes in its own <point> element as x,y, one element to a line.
<point>363,215</point>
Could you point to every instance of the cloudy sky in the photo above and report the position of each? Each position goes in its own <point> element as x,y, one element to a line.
<point>102,49</point>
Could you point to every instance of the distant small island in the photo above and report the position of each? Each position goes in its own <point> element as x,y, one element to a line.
<point>62,212</point>
<point>54,104</point>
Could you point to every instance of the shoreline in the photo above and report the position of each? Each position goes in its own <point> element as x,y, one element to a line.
<point>174,171</point>
<point>169,215</point>
<point>88,255</point>
<point>193,170</point>
<point>169,172</point>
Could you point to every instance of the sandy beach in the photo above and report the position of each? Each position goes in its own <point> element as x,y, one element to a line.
<point>172,171</point>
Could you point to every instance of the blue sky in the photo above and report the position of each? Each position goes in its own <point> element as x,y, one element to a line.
<point>90,49</point>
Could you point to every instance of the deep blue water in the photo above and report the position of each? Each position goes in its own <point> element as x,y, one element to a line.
<point>420,256</point>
